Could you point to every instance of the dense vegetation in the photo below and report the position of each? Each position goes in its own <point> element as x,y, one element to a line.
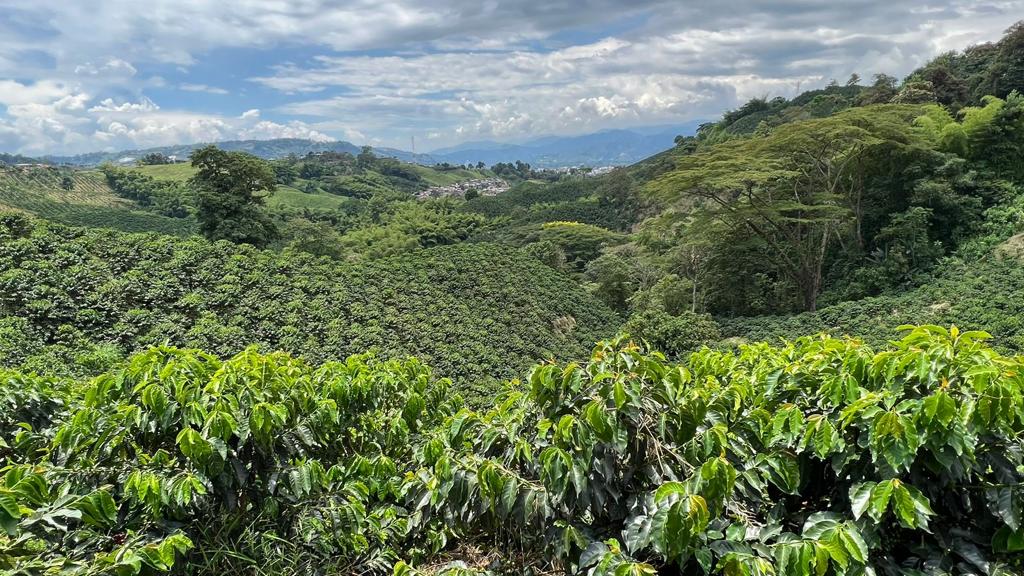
<point>864,201</point>
<point>979,293</point>
<point>80,198</point>
<point>74,301</point>
<point>818,457</point>
<point>256,398</point>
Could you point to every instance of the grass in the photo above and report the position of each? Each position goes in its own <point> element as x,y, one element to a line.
<point>284,196</point>
<point>293,197</point>
<point>180,172</point>
<point>444,178</point>
<point>184,171</point>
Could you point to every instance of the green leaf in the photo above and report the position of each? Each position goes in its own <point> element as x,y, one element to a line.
<point>98,509</point>
<point>669,489</point>
<point>940,407</point>
<point>879,499</point>
<point>911,506</point>
<point>853,543</point>
<point>193,445</point>
<point>860,498</point>
<point>10,513</point>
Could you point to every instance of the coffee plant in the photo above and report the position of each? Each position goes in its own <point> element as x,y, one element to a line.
<point>821,456</point>
<point>70,299</point>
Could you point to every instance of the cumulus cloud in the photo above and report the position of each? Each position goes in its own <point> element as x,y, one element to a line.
<point>112,67</point>
<point>203,88</point>
<point>108,105</point>
<point>264,130</point>
<point>47,118</point>
<point>687,62</point>
<point>448,69</point>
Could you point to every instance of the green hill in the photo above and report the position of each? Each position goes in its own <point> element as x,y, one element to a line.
<point>84,199</point>
<point>72,297</point>
<point>91,202</point>
<point>987,293</point>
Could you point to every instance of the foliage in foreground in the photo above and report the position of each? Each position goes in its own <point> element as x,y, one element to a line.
<point>818,457</point>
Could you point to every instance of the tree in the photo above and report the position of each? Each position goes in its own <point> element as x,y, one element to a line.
<point>366,159</point>
<point>67,183</point>
<point>794,191</point>
<point>616,190</point>
<point>882,91</point>
<point>919,92</point>
<point>285,172</point>
<point>1006,71</point>
<point>154,159</point>
<point>673,335</point>
<point>790,204</point>
<point>231,189</point>
<point>581,242</point>
<point>797,215</point>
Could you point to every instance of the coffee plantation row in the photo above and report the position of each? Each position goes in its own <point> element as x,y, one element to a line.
<point>74,301</point>
<point>821,456</point>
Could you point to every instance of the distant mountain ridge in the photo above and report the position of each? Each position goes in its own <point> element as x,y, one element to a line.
<point>605,148</point>
<point>267,149</point>
<point>11,159</point>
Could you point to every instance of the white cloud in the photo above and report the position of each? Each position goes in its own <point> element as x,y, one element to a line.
<point>108,105</point>
<point>203,88</point>
<point>48,118</point>
<point>112,67</point>
<point>265,130</point>
<point>450,69</point>
<point>688,63</point>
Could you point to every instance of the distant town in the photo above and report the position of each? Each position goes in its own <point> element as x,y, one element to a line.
<point>477,187</point>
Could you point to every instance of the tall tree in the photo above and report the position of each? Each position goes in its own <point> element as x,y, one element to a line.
<point>231,189</point>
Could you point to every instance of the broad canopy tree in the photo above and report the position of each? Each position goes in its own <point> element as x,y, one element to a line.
<point>799,190</point>
<point>231,189</point>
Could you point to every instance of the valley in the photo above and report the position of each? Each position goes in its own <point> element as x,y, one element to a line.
<point>789,341</point>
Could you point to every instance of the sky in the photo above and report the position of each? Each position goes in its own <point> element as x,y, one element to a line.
<point>90,75</point>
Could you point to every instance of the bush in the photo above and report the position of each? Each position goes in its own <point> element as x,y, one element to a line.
<point>474,311</point>
<point>673,335</point>
<point>820,456</point>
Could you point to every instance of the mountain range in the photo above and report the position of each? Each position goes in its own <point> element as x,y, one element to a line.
<point>605,148</point>
<point>268,149</point>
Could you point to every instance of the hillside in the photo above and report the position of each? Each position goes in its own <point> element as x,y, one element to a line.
<point>866,202</point>
<point>792,344</point>
<point>75,299</point>
<point>988,293</point>
<point>605,148</point>
<point>79,198</point>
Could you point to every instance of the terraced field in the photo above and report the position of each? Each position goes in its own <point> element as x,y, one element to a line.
<point>89,202</point>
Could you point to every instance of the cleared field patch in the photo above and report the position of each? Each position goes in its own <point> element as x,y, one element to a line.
<point>178,172</point>
<point>434,177</point>
<point>289,196</point>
